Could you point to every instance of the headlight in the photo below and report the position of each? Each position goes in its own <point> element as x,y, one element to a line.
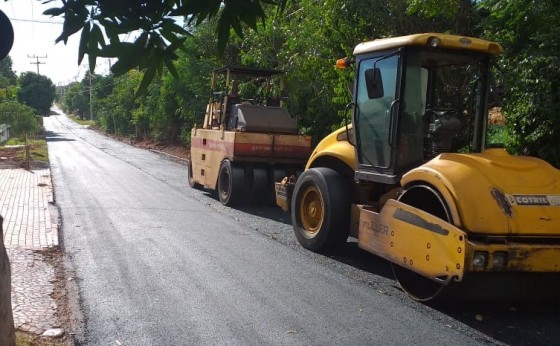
<point>480,259</point>
<point>434,42</point>
<point>499,260</point>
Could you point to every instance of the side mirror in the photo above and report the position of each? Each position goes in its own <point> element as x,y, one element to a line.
<point>7,36</point>
<point>374,83</point>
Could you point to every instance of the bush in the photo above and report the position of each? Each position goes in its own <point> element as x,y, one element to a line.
<point>20,117</point>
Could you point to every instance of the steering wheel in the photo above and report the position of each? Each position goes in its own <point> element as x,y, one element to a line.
<point>441,112</point>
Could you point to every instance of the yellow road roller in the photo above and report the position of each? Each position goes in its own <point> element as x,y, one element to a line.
<point>417,178</point>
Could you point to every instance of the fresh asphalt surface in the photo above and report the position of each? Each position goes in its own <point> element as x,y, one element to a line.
<point>159,263</point>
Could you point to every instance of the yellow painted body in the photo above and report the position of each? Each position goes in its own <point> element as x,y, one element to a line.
<point>513,200</point>
<point>335,145</point>
<point>498,203</point>
<point>474,183</point>
<point>209,147</point>
<point>489,194</point>
<point>447,41</point>
<point>415,240</point>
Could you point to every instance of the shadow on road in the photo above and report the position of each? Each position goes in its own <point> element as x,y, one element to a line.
<point>522,322</point>
<point>272,213</point>
<point>55,137</point>
<point>482,306</point>
<point>514,310</point>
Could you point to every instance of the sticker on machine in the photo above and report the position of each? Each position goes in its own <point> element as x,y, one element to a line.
<point>532,200</point>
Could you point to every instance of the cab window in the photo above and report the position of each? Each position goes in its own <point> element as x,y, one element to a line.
<point>373,110</point>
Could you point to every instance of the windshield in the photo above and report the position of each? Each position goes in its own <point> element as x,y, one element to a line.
<point>441,104</point>
<point>415,104</point>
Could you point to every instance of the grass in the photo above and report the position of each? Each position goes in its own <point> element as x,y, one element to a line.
<point>38,151</point>
<point>497,134</point>
<point>37,148</point>
<point>82,121</point>
<point>15,141</point>
<point>24,339</point>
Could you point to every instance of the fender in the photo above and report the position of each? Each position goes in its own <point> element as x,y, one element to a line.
<point>335,145</point>
<point>495,193</point>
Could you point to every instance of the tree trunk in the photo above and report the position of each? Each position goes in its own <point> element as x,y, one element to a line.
<point>7,336</point>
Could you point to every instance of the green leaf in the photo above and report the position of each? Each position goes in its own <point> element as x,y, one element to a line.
<point>92,60</point>
<point>146,80</point>
<point>169,25</point>
<point>54,11</point>
<point>128,62</point>
<point>176,44</point>
<point>133,55</point>
<point>117,49</point>
<point>171,68</point>
<point>223,33</point>
<point>99,38</point>
<point>84,41</point>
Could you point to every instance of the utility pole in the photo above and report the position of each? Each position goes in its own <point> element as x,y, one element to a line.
<point>90,98</point>
<point>37,62</point>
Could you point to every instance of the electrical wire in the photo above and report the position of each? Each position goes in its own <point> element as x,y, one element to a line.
<point>35,21</point>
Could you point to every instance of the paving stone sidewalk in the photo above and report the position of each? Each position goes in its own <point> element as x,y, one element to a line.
<point>29,230</point>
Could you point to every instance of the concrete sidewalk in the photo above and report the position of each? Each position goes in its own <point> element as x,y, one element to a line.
<point>26,199</point>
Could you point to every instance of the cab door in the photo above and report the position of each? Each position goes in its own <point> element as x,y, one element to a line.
<point>375,117</point>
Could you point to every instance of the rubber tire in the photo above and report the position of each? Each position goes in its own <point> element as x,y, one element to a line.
<point>230,184</point>
<point>260,187</point>
<point>327,191</point>
<point>192,183</point>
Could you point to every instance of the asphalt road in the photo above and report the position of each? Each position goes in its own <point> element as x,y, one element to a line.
<point>159,263</point>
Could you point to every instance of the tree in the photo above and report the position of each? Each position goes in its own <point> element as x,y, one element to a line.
<point>21,118</point>
<point>308,38</point>
<point>102,87</point>
<point>182,100</point>
<point>6,72</point>
<point>171,105</point>
<point>74,100</point>
<point>37,91</point>
<point>115,113</point>
<point>8,80</point>
<point>160,36</point>
<point>461,17</point>
<point>530,71</point>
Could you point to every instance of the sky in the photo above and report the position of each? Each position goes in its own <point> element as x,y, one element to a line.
<point>35,34</point>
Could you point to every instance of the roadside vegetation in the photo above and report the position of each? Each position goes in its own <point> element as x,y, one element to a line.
<point>305,38</point>
<point>37,148</point>
<point>17,152</point>
<point>24,339</point>
<point>26,143</point>
<point>81,121</point>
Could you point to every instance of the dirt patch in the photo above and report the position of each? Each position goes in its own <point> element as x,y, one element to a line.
<point>67,307</point>
<point>66,297</point>
<point>178,151</point>
<point>173,150</point>
<point>496,116</point>
<point>14,157</point>
<point>10,157</point>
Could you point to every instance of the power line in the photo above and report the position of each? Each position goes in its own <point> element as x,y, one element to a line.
<point>35,21</point>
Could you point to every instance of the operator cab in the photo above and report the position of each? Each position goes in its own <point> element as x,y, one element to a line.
<point>417,99</point>
<point>248,99</point>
